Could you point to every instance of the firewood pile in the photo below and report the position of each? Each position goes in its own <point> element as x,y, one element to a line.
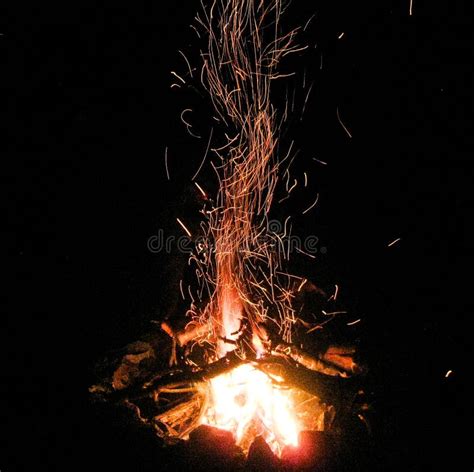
<point>164,378</point>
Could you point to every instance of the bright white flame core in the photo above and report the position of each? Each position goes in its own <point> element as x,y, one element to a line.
<point>247,403</point>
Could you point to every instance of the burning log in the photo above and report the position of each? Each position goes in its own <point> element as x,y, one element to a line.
<point>132,365</point>
<point>191,332</point>
<point>170,379</point>
<point>298,369</point>
<point>336,361</point>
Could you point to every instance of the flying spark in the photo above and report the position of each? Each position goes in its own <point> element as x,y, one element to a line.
<point>184,227</point>
<point>166,163</point>
<point>311,206</point>
<point>342,124</point>
<point>394,242</point>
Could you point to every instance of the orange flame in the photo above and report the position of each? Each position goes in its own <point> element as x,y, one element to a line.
<point>247,403</point>
<point>231,309</point>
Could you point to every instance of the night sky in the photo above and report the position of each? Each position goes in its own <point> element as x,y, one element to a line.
<point>87,112</point>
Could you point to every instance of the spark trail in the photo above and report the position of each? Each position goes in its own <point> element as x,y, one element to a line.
<point>242,261</point>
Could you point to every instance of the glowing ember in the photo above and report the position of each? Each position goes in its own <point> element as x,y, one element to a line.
<point>247,403</point>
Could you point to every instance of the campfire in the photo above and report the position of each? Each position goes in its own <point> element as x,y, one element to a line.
<point>251,359</point>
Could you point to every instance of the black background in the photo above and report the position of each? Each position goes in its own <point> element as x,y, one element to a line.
<point>88,111</point>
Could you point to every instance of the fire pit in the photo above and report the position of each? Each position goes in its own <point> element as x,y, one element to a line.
<point>279,398</point>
